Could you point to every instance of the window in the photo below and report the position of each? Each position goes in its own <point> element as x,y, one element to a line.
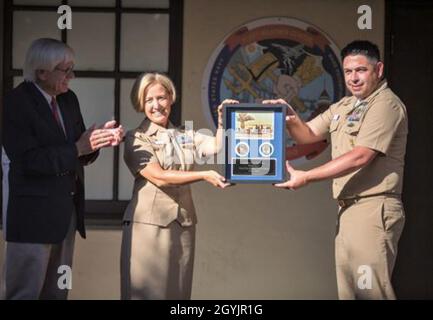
<point>114,41</point>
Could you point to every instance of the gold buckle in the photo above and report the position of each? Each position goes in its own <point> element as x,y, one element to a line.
<point>341,203</point>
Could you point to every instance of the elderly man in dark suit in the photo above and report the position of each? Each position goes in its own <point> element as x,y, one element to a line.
<point>46,141</point>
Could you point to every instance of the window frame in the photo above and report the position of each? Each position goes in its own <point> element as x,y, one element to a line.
<point>104,212</point>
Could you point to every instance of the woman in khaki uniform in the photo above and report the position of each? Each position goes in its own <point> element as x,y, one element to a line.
<point>159,223</point>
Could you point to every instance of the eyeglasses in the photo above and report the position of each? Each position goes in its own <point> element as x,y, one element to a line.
<point>67,71</point>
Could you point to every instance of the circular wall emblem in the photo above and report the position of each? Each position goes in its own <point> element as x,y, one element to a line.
<point>275,58</point>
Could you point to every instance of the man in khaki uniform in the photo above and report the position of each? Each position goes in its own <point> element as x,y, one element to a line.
<point>368,137</point>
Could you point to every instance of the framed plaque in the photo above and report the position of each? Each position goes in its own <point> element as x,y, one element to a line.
<point>255,142</point>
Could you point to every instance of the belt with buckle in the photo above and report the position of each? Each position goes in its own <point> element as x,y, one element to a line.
<point>344,203</point>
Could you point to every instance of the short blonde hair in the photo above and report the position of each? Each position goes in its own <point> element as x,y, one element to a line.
<point>45,54</point>
<point>142,84</point>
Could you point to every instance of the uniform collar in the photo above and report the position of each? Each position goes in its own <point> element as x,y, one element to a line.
<point>349,103</point>
<point>150,128</point>
<point>380,87</point>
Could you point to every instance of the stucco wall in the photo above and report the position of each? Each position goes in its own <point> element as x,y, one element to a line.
<point>253,242</point>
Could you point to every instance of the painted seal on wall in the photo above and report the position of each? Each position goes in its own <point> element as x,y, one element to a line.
<point>275,58</point>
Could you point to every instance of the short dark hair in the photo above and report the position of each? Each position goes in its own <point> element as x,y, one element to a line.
<point>363,47</point>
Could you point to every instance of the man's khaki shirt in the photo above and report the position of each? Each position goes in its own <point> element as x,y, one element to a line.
<point>378,122</point>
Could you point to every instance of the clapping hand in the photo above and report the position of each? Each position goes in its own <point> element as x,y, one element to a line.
<point>117,133</point>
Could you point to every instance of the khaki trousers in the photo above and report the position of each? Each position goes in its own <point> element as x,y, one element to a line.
<point>366,247</point>
<point>30,270</point>
<point>157,262</point>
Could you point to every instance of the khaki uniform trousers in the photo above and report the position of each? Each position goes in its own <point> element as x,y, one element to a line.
<point>157,262</point>
<point>368,230</point>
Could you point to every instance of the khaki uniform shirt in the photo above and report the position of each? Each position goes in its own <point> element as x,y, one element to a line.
<point>173,149</point>
<point>380,123</point>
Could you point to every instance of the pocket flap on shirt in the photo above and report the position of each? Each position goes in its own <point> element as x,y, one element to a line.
<point>333,126</point>
<point>352,129</point>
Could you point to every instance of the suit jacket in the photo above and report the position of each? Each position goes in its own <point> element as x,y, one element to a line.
<point>46,176</point>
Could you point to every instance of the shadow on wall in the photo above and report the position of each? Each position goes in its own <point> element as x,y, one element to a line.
<point>413,273</point>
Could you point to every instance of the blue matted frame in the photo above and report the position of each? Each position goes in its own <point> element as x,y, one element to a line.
<point>253,147</point>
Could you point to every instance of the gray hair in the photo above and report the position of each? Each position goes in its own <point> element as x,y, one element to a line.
<point>45,54</point>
